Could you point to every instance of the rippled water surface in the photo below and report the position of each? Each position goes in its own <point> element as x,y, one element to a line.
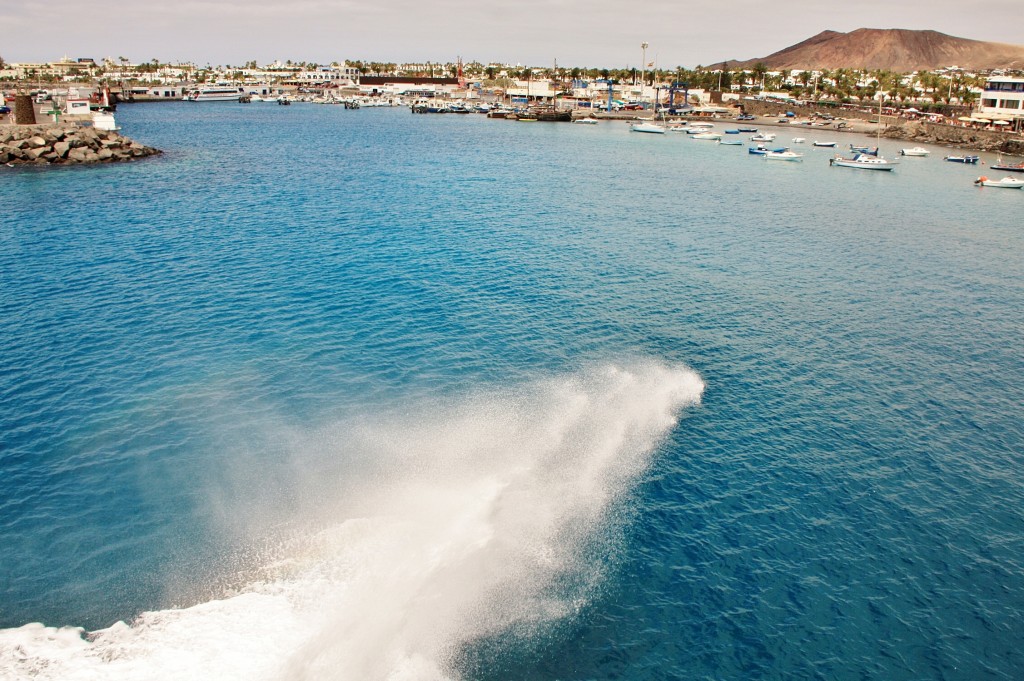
<point>342,394</point>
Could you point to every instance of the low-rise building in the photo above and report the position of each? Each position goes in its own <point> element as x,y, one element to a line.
<point>1002,100</point>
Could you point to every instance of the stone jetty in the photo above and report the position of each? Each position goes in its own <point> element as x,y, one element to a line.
<point>66,144</point>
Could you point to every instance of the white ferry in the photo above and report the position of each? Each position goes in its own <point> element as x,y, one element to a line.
<point>216,93</point>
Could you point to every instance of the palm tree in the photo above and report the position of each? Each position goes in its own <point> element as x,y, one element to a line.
<point>760,69</point>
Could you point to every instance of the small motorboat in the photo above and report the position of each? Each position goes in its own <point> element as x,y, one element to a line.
<point>761,150</point>
<point>731,132</point>
<point>871,151</point>
<point>1006,182</point>
<point>863,161</point>
<point>586,121</point>
<point>783,156</point>
<point>973,160</point>
<point>707,136</point>
<point>825,144</point>
<point>731,142</point>
<point>763,137</point>
<point>799,140</point>
<point>915,151</point>
<point>746,129</point>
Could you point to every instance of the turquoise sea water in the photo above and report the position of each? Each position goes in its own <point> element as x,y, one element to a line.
<point>342,394</point>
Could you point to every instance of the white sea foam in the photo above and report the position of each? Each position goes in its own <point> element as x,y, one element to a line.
<point>451,525</point>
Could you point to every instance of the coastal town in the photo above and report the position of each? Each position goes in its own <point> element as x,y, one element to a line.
<point>979,110</point>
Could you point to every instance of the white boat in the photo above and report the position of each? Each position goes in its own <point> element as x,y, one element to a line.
<point>824,144</point>
<point>677,128</point>
<point>799,140</point>
<point>586,121</point>
<point>763,137</point>
<point>732,142</point>
<point>217,93</point>
<point>783,156</point>
<point>864,162</point>
<point>648,127</point>
<point>707,136</point>
<point>915,151</point>
<point>1006,182</point>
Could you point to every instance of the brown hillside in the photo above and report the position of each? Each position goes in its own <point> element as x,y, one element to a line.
<point>893,49</point>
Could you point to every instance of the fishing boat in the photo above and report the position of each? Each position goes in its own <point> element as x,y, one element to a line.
<point>825,144</point>
<point>761,150</point>
<point>973,160</point>
<point>746,129</point>
<point>653,128</point>
<point>863,161</point>
<point>783,156</point>
<point>1006,182</point>
<point>914,151</point>
<point>1012,167</point>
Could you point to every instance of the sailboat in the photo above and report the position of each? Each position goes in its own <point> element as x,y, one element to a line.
<point>867,159</point>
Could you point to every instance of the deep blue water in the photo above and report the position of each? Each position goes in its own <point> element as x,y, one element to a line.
<point>308,326</point>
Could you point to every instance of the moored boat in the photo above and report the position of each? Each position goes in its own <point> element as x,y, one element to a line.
<point>783,156</point>
<point>871,151</point>
<point>586,121</point>
<point>914,151</point>
<point>707,136</point>
<point>863,161</point>
<point>648,127</point>
<point>1006,182</point>
<point>973,160</point>
<point>825,144</point>
<point>1013,168</point>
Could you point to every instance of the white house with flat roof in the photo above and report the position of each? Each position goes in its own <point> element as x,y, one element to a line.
<point>1002,100</point>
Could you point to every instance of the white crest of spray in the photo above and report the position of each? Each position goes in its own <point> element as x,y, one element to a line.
<point>431,531</point>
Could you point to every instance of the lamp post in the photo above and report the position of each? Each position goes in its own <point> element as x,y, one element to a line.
<point>643,67</point>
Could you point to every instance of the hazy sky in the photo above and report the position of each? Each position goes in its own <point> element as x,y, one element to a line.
<point>594,33</point>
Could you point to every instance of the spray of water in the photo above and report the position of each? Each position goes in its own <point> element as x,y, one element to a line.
<point>430,531</point>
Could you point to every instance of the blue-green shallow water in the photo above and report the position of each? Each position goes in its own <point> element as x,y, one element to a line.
<point>204,351</point>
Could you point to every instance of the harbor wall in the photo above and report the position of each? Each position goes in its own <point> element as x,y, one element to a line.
<point>66,144</point>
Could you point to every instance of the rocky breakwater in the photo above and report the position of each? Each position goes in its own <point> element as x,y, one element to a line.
<point>66,145</point>
<point>956,136</point>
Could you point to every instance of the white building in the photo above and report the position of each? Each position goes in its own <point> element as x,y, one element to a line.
<point>1002,100</point>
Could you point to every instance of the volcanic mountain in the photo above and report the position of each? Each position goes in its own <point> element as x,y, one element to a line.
<point>893,49</point>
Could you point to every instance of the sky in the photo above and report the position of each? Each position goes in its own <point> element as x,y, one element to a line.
<point>586,33</point>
